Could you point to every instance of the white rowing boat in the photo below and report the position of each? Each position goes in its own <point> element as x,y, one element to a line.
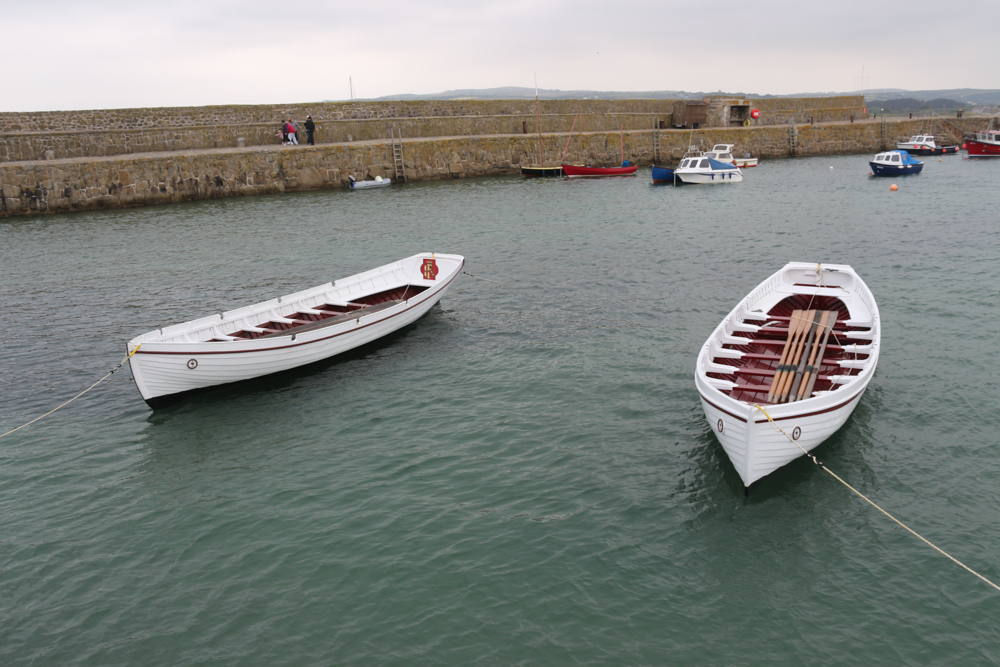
<point>288,331</point>
<point>379,182</point>
<point>802,346</point>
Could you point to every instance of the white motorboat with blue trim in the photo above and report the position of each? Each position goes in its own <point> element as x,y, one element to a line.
<point>703,169</point>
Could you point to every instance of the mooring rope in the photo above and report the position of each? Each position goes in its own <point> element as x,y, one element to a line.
<point>75,397</point>
<point>486,279</point>
<point>920,537</point>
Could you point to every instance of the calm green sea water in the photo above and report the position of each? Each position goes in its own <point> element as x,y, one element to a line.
<point>525,476</point>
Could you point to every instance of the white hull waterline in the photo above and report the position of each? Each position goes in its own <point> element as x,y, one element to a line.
<point>706,170</point>
<point>379,182</point>
<point>289,331</point>
<point>813,330</point>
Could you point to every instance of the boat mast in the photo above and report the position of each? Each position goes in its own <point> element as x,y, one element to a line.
<point>538,113</point>
<point>572,127</point>
<point>622,131</point>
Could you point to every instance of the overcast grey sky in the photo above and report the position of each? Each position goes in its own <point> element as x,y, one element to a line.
<point>62,54</point>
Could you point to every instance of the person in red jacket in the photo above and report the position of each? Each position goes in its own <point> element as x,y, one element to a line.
<point>291,132</point>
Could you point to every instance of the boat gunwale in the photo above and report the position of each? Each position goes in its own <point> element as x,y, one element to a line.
<point>271,344</point>
<point>807,406</point>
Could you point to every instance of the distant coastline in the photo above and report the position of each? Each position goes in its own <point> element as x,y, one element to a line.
<point>967,96</point>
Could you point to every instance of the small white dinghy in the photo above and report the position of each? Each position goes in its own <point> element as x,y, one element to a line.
<point>379,182</point>
<point>803,346</point>
<point>288,331</point>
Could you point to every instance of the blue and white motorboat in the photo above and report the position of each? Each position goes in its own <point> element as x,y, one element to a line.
<point>707,170</point>
<point>895,163</point>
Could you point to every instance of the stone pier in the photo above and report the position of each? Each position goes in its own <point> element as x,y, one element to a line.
<point>52,162</point>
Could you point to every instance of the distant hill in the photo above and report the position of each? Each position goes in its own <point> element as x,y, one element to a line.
<point>963,96</point>
<point>517,93</point>
<point>971,96</point>
<point>913,104</point>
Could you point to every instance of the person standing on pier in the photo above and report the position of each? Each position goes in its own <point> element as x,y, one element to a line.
<point>292,132</point>
<point>310,128</point>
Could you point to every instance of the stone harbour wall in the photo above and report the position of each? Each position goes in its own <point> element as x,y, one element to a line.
<point>101,133</point>
<point>77,184</point>
<point>161,117</point>
<point>57,145</point>
<point>74,185</point>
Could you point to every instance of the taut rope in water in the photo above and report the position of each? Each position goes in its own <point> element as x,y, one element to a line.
<point>75,397</point>
<point>872,503</point>
<point>486,279</point>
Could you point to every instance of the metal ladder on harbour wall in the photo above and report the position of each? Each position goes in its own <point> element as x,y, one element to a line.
<point>948,125</point>
<point>398,167</point>
<point>793,137</point>
<point>656,141</point>
<point>884,131</point>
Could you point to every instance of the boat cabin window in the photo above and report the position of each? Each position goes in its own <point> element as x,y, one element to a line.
<point>704,164</point>
<point>894,158</point>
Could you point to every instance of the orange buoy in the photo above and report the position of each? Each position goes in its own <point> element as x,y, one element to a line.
<point>893,187</point>
<point>939,159</point>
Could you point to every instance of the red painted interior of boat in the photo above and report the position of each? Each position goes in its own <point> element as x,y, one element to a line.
<point>331,310</point>
<point>763,348</point>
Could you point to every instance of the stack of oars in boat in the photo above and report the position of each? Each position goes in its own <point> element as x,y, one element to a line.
<point>795,377</point>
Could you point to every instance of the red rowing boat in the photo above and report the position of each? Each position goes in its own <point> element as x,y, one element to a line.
<point>578,170</point>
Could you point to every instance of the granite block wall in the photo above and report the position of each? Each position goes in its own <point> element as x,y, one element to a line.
<point>25,146</point>
<point>75,184</point>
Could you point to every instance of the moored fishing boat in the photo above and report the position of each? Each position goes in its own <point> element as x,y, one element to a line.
<point>662,174</point>
<point>895,163</point>
<point>983,144</point>
<point>924,144</point>
<point>803,346</point>
<point>576,170</point>
<point>704,169</point>
<point>724,153</point>
<point>721,152</point>
<point>534,171</point>
<point>541,169</point>
<point>288,331</point>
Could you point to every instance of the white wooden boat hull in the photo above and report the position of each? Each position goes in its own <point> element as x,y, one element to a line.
<point>365,185</point>
<point>166,366</point>
<point>756,449</point>
<point>744,162</point>
<point>754,446</point>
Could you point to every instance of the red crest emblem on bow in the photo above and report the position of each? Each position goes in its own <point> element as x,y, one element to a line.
<point>429,269</point>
